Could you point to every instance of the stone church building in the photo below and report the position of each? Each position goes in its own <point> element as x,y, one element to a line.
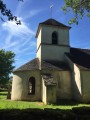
<point>58,71</point>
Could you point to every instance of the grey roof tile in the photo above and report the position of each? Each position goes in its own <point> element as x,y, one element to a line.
<point>31,65</point>
<point>34,65</point>
<point>81,57</point>
<point>54,23</point>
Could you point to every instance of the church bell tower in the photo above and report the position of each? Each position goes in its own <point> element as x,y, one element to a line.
<point>52,40</point>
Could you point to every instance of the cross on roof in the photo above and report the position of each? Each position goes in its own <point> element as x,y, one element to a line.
<point>51,10</point>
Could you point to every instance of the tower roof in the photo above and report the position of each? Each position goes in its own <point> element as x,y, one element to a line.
<point>51,22</point>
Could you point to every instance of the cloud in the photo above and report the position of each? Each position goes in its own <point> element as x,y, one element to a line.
<point>21,5</point>
<point>21,31</point>
<point>20,37</point>
<point>17,30</point>
<point>33,13</point>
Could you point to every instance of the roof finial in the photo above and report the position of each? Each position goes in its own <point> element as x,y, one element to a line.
<point>51,10</point>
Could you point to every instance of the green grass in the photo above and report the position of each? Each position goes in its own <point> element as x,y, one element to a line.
<point>3,95</point>
<point>9,104</point>
<point>20,110</point>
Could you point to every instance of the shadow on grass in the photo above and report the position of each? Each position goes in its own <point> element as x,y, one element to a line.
<point>4,94</point>
<point>80,113</point>
<point>67,102</point>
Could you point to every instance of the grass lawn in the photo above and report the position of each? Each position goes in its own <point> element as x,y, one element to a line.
<point>9,104</point>
<point>21,110</point>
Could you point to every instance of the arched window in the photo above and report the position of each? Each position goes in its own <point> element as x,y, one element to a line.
<point>32,85</point>
<point>54,38</point>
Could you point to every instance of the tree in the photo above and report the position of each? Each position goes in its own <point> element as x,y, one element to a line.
<point>6,66</point>
<point>9,87</point>
<point>79,8</point>
<point>7,12</point>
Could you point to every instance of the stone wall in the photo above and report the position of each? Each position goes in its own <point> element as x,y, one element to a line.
<point>51,94</point>
<point>47,94</point>
<point>63,79</point>
<point>53,52</point>
<point>45,49</point>
<point>63,34</point>
<point>20,86</point>
<point>85,76</point>
<point>62,90</point>
<point>75,80</point>
<point>44,92</point>
<point>77,83</point>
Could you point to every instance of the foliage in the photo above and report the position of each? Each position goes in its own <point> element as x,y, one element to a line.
<point>6,67</point>
<point>7,12</point>
<point>79,8</point>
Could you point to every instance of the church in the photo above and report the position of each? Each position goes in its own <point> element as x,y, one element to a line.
<point>58,72</point>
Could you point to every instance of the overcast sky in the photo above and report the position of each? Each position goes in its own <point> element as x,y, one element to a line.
<point>21,39</point>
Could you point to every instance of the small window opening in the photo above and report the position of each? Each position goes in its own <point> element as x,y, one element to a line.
<point>32,85</point>
<point>54,38</point>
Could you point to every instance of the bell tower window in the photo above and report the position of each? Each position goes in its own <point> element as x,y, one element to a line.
<point>54,38</point>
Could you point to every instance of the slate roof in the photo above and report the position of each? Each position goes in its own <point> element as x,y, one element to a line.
<point>34,65</point>
<point>31,65</point>
<point>53,23</point>
<point>51,66</point>
<point>81,57</point>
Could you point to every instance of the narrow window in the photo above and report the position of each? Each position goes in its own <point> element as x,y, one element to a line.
<point>54,38</point>
<point>32,85</point>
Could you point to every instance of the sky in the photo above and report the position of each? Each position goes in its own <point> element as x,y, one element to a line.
<point>21,38</point>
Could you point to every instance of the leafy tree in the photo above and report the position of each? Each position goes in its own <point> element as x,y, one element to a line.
<point>7,12</point>
<point>79,8</point>
<point>9,87</point>
<point>6,66</point>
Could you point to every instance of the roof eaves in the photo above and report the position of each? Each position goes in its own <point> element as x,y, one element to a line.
<point>66,27</point>
<point>19,70</point>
